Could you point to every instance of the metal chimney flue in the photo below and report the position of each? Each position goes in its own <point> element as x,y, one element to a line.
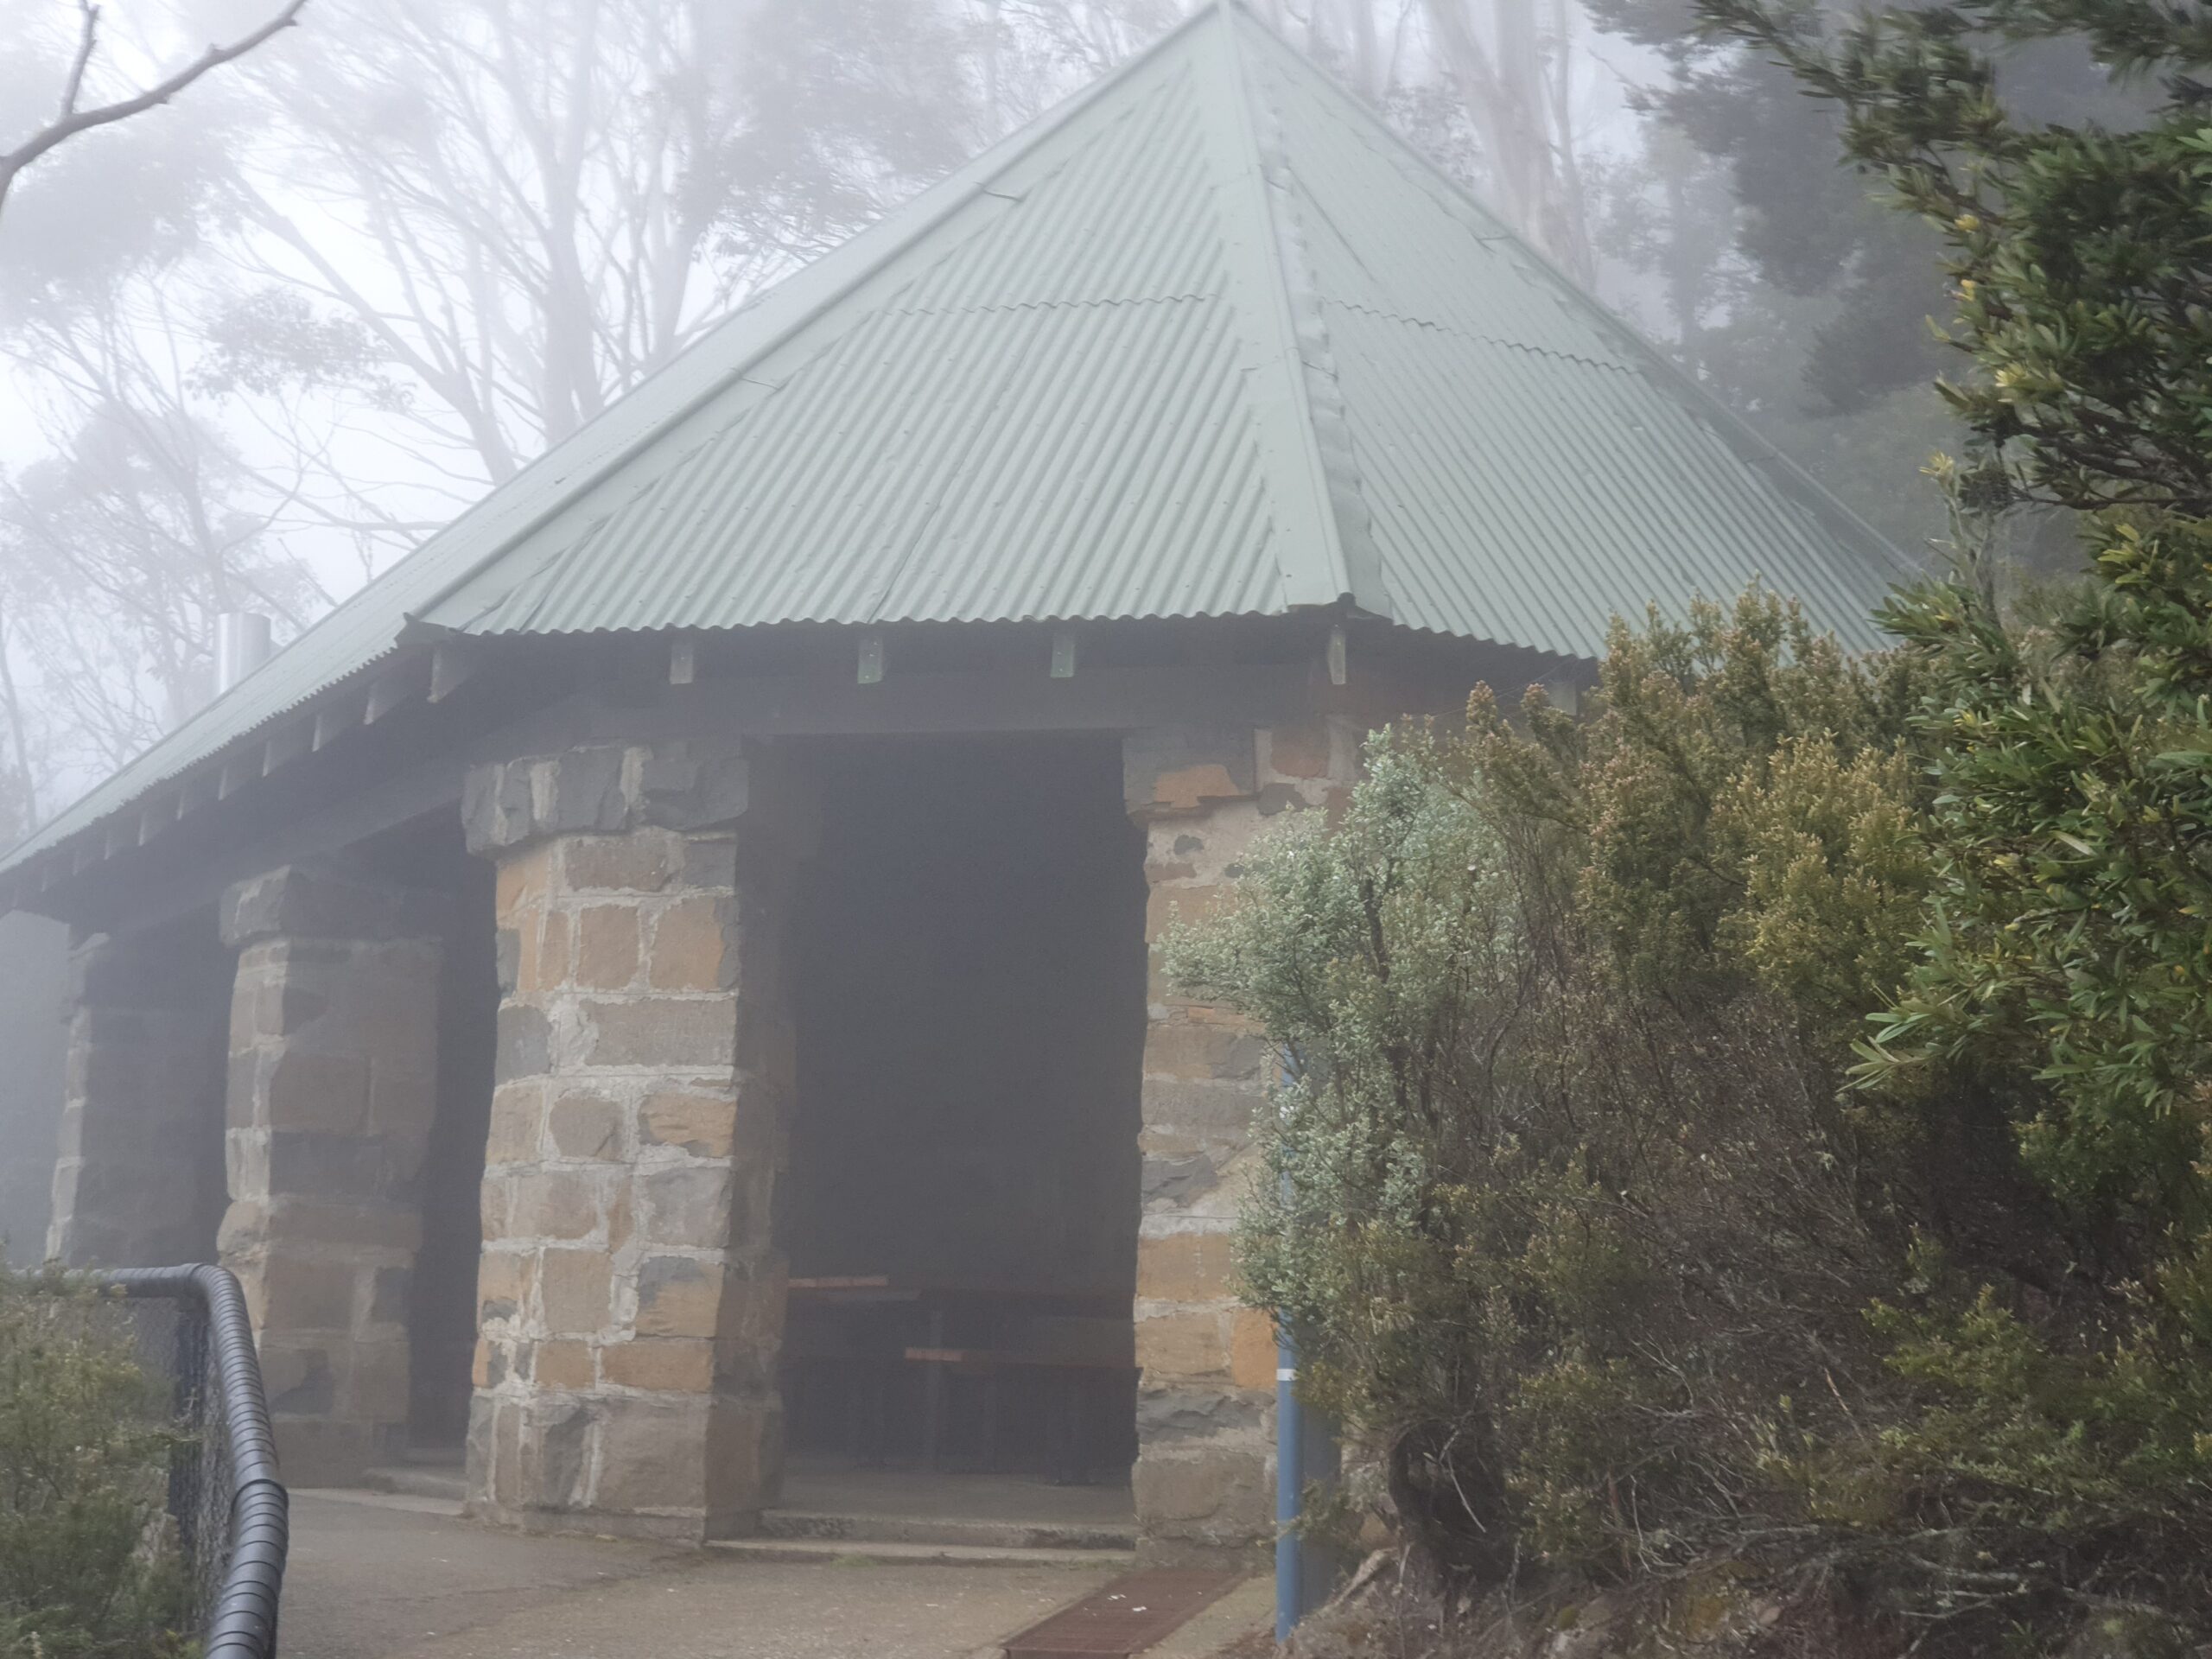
<point>241,647</point>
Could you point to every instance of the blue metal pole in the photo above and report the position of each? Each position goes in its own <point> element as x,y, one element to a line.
<point>1290,1486</point>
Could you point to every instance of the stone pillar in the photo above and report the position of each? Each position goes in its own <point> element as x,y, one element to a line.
<point>332,1087</point>
<point>1204,1474</point>
<point>137,1125</point>
<point>629,1300</point>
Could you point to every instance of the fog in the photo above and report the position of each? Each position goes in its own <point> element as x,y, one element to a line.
<point>260,340</point>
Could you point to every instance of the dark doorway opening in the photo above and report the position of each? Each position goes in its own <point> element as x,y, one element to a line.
<point>961,1211</point>
<point>441,1325</point>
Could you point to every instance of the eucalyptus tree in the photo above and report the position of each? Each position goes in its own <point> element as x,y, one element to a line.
<point>73,116</point>
<point>527,208</point>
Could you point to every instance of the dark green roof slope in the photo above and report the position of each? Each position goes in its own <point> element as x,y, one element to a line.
<point>1207,340</point>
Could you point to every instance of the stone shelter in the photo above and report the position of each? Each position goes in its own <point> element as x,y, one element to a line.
<point>726,855</point>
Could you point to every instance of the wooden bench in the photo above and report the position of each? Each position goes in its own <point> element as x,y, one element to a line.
<point>977,1329</point>
<point>1078,1355</point>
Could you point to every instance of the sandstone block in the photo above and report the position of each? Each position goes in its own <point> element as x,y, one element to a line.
<point>1173,1412</point>
<point>296,1375</point>
<point>246,1226</point>
<point>547,961</point>
<point>690,1206</point>
<point>691,947</point>
<point>1185,1267</point>
<point>495,1204</point>
<point>554,1445</point>
<point>296,903</point>
<point>381,1000</point>
<point>1220,1495</point>
<point>525,1042</point>
<point>504,1278</point>
<point>575,1291</point>
<point>1252,1350</point>
<point>645,862</point>
<point>563,1364</point>
<point>621,1216</point>
<point>690,785</point>
<point>584,1124</point>
<point>678,1296</point>
<point>555,1204</point>
<point>307,1295</point>
<point>376,1381</point>
<point>674,1364</point>
<point>517,1118</point>
<point>649,1453</point>
<point>697,1034</point>
<point>363,1224</point>
<point>1176,1179</point>
<point>607,946</point>
<point>701,1124</point>
<point>745,1463</point>
<point>1196,1052</point>
<point>709,861</point>
<point>521,881</point>
<point>1175,1345</point>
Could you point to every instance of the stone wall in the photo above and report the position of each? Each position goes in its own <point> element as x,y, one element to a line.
<point>630,1301</point>
<point>332,1088</point>
<point>1205,1475</point>
<point>34,1035</point>
<point>137,1183</point>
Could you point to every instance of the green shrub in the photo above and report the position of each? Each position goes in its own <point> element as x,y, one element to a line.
<point>1598,1201</point>
<point>87,1569</point>
<point>1575,1211</point>
<point>1561,1202</point>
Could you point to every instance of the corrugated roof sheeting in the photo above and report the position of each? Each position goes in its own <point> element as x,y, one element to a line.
<point>1181,348</point>
<point>1522,498</point>
<point>1384,230</point>
<point>1530,469</point>
<point>1127,213</point>
<point>964,443</point>
<point>1050,421</point>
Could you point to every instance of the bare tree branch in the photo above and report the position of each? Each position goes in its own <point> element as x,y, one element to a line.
<point>71,120</point>
<point>88,32</point>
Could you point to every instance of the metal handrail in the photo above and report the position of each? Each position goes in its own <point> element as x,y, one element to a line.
<point>241,1622</point>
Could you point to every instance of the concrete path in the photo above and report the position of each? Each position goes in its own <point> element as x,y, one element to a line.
<point>397,1577</point>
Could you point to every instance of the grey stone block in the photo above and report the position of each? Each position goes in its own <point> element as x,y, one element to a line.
<point>525,1043</point>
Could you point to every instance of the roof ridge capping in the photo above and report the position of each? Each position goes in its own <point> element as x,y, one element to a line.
<point>1753,446</point>
<point>1326,435</point>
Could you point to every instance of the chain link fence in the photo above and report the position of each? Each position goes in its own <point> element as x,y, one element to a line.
<point>190,1328</point>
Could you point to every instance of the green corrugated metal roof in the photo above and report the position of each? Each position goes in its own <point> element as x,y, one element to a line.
<point>1207,340</point>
